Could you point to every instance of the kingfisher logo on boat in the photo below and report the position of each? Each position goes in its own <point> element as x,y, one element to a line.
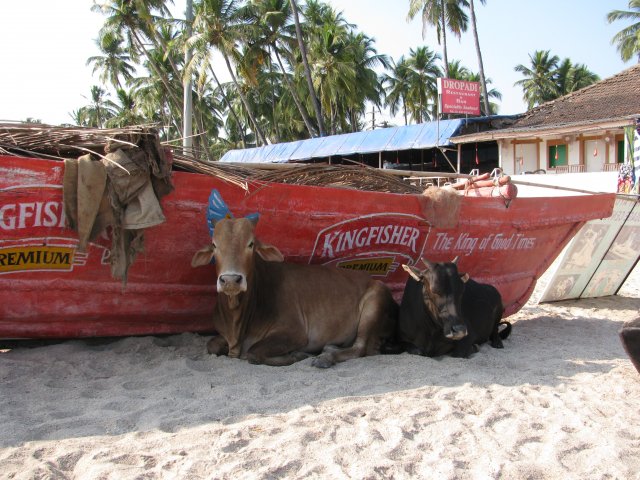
<point>375,243</point>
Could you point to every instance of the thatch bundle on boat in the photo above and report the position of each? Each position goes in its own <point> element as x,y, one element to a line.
<point>52,142</point>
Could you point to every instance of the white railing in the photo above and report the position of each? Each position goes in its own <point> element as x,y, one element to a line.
<point>611,167</point>
<point>569,169</point>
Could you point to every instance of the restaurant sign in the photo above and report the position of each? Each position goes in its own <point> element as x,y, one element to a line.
<point>459,96</point>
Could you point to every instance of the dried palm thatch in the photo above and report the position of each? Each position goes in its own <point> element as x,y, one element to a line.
<point>54,142</point>
<point>340,176</point>
<point>46,141</point>
<point>58,143</point>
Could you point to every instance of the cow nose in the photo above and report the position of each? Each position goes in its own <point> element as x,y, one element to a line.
<point>230,279</point>
<point>457,332</point>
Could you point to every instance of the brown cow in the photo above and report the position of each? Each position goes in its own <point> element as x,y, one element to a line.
<point>277,313</point>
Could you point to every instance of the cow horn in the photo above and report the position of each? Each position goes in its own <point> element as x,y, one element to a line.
<point>464,278</point>
<point>455,260</point>
<point>413,271</point>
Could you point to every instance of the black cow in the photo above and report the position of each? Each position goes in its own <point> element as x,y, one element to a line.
<point>443,311</point>
<point>630,338</point>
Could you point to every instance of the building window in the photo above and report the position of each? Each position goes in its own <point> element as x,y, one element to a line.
<point>557,154</point>
<point>619,148</point>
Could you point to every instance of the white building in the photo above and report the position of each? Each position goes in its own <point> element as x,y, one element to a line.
<point>580,132</point>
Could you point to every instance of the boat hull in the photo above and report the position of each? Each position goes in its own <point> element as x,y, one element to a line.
<point>48,289</point>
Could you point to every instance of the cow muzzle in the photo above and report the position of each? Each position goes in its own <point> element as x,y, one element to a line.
<point>232,283</point>
<point>457,332</point>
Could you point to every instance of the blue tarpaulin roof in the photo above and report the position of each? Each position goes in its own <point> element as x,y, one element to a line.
<point>423,135</point>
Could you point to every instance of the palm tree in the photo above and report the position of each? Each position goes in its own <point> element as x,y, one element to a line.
<point>334,73</point>
<point>152,102</point>
<point>423,92</point>
<point>367,87</point>
<point>628,39</point>
<point>217,24</point>
<point>483,82</point>
<point>307,70</point>
<point>538,84</point>
<point>126,113</point>
<point>441,14</point>
<point>271,20</point>
<point>570,77</point>
<point>97,112</point>
<point>133,21</point>
<point>549,78</point>
<point>459,71</point>
<point>397,87</point>
<point>115,62</point>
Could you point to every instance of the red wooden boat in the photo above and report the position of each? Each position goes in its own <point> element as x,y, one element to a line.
<point>49,289</point>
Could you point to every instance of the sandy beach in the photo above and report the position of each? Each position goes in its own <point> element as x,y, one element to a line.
<point>561,401</point>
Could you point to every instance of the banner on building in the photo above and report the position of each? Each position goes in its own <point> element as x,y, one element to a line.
<point>629,173</point>
<point>459,96</point>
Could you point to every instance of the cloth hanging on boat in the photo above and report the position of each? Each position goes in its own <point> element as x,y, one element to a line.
<point>131,192</point>
<point>85,180</point>
<point>122,190</point>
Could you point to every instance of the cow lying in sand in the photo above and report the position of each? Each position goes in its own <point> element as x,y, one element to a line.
<point>443,311</point>
<point>277,313</point>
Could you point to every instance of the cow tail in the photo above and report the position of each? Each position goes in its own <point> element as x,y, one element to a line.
<point>504,333</point>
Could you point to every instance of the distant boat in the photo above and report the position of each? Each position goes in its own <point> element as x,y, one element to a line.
<point>48,289</point>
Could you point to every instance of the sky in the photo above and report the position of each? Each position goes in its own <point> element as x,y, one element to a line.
<point>45,44</point>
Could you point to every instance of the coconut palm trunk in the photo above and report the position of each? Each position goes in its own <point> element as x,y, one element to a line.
<point>443,26</point>
<point>228,103</point>
<point>294,95</point>
<point>483,82</point>
<point>245,102</point>
<point>177,103</point>
<point>307,69</point>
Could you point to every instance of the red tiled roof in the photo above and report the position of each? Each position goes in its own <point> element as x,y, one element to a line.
<point>613,98</point>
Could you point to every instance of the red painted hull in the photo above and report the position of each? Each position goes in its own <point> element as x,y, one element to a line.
<point>48,289</point>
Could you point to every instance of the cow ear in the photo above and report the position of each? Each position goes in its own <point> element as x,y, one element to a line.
<point>464,278</point>
<point>202,257</point>
<point>414,272</point>
<point>268,252</point>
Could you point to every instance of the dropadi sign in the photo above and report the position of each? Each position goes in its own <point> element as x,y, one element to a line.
<point>459,96</point>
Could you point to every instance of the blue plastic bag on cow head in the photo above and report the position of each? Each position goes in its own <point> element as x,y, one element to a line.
<point>217,209</point>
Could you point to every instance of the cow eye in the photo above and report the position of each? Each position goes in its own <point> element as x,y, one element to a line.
<point>213,245</point>
<point>251,243</point>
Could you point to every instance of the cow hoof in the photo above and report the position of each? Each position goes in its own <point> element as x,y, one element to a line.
<point>497,344</point>
<point>216,347</point>
<point>297,356</point>
<point>322,362</point>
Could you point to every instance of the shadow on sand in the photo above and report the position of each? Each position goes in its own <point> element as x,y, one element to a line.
<point>92,387</point>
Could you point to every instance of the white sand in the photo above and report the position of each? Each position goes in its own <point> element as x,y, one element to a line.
<point>561,401</point>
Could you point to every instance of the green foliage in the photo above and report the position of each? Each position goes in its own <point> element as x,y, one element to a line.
<point>143,69</point>
<point>548,78</point>
<point>627,39</point>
